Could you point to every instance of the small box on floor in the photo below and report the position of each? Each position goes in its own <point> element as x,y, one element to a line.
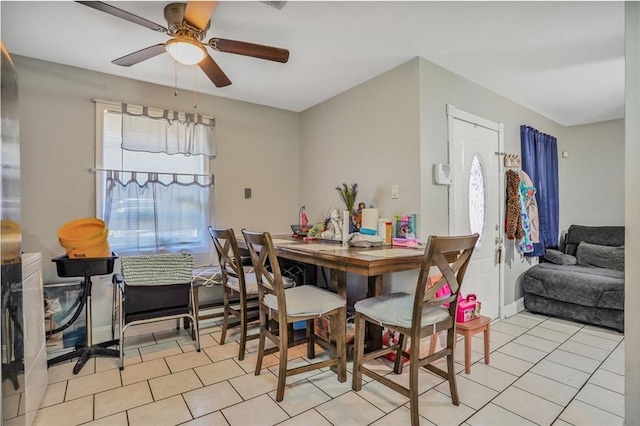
<point>322,327</point>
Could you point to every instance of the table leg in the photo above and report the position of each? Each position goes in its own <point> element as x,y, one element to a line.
<point>338,282</point>
<point>374,331</point>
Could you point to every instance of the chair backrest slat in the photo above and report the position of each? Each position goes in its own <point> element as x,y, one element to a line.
<point>451,255</point>
<point>261,249</point>
<point>229,257</point>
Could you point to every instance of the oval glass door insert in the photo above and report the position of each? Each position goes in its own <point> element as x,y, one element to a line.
<point>477,197</point>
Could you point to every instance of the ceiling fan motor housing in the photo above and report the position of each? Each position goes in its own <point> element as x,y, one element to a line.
<point>188,24</point>
<point>177,26</point>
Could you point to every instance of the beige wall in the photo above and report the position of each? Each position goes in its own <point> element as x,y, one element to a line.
<point>439,87</point>
<point>393,128</point>
<point>601,204</point>
<point>387,131</point>
<point>257,148</point>
<point>592,176</point>
<point>366,135</point>
<point>632,212</point>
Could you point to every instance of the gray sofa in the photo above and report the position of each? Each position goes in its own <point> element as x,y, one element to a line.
<point>584,280</point>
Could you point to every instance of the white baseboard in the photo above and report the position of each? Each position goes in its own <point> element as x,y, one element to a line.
<point>514,307</point>
<point>101,334</point>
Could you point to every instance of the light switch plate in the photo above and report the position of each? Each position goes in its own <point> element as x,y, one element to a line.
<point>394,192</point>
<point>247,193</point>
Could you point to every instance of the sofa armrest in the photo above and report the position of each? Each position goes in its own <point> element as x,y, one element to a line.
<point>559,258</point>
<point>562,241</point>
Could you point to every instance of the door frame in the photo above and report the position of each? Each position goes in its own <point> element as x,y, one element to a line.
<point>454,113</point>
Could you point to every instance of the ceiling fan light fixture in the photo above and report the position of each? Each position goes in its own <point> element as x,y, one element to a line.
<point>185,51</point>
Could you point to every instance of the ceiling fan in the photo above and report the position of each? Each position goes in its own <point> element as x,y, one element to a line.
<point>187,25</point>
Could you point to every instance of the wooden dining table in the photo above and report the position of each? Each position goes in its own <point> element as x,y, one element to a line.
<point>371,262</point>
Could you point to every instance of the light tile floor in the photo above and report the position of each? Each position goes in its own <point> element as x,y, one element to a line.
<point>543,371</point>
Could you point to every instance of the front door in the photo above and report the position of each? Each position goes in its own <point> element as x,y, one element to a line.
<point>474,202</point>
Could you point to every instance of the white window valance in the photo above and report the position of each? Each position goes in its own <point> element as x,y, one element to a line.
<point>155,130</point>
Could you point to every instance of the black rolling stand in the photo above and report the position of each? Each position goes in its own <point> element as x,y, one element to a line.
<point>85,268</point>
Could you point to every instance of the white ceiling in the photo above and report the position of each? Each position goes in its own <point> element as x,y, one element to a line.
<point>564,60</point>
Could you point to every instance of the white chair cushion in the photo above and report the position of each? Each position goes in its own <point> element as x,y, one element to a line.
<point>307,300</point>
<point>251,282</point>
<point>397,309</point>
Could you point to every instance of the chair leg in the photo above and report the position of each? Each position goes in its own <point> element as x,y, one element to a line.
<point>358,353</point>
<point>341,343</point>
<point>196,311</point>
<point>311,340</point>
<point>414,358</point>
<point>225,317</point>
<point>243,328</point>
<point>467,352</point>
<point>487,339</point>
<point>451,337</point>
<point>399,362</point>
<point>263,329</point>
<point>283,340</point>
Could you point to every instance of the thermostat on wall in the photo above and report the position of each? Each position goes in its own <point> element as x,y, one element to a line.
<point>443,174</point>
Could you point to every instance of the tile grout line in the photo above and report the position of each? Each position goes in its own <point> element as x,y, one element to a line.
<point>512,384</point>
<point>587,381</point>
<point>610,352</point>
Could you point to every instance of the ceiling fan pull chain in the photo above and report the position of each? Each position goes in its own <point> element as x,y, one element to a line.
<point>175,78</point>
<point>195,87</point>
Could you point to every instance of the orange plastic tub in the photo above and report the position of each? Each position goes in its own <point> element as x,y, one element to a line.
<point>86,237</point>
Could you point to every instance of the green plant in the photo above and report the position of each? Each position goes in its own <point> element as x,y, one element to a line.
<point>348,195</point>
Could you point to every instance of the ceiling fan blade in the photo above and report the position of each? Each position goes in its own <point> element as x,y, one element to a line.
<point>140,55</point>
<point>198,13</point>
<point>214,72</point>
<point>249,49</point>
<point>112,10</point>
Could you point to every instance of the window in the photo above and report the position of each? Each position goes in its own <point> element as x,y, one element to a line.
<point>477,201</point>
<point>152,202</point>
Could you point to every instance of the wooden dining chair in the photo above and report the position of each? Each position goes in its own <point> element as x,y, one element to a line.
<point>286,306</point>
<point>416,316</point>
<point>240,286</point>
<point>235,284</point>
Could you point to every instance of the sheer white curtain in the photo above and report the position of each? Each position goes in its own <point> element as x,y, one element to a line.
<point>155,188</point>
<point>158,213</point>
<point>172,132</point>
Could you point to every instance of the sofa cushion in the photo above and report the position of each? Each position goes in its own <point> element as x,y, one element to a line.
<point>582,285</point>
<point>559,258</point>
<point>600,256</point>
<point>603,235</point>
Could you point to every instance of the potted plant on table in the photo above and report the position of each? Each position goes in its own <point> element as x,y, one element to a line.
<point>349,195</point>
